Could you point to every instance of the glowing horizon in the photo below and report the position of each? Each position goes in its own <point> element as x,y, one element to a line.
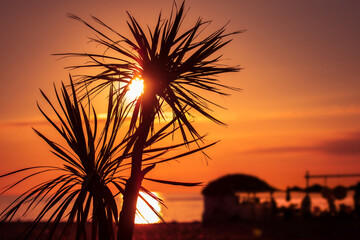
<point>147,215</point>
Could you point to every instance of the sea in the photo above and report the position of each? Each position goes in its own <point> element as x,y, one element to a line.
<point>189,207</point>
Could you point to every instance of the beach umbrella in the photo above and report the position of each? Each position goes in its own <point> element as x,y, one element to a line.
<point>340,192</point>
<point>316,188</point>
<point>296,189</point>
<point>230,184</point>
<point>326,192</point>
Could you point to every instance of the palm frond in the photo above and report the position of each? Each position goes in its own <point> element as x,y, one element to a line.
<point>169,60</point>
<point>179,67</point>
<point>91,163</point>
<point>85,174</point>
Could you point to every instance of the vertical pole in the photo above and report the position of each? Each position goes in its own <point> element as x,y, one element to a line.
<point>307,176</point>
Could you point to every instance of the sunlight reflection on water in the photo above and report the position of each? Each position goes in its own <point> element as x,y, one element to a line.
<point>188,207</point>
<point>145,214</point>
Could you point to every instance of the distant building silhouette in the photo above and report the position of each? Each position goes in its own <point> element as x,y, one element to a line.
<point>222,200</point>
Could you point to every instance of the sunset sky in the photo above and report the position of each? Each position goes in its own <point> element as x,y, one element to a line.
<point>299,108</point>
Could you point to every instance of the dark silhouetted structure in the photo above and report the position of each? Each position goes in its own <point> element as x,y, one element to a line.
<point>222,202</point>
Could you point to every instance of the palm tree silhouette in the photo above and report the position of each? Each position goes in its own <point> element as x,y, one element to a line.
<point>81,187</point>
<point>177,68</point>
<point>94,169</point>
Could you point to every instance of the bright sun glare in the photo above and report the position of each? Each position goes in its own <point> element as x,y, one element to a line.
<point>148,216</point>
<point>136,88</point>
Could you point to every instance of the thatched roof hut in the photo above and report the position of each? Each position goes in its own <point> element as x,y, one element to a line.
<point>221,199</point>
<point>230,184</point>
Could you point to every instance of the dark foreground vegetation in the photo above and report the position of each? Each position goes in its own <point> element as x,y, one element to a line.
<point>295,229</point>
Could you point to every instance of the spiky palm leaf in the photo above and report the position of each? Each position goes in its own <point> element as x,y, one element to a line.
<point>86,175</point>
<point>173,66</point>
<point>92,173</point>
<point>176,68</point>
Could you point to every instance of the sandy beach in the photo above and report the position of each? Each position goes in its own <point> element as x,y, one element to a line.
<point>295,229</point>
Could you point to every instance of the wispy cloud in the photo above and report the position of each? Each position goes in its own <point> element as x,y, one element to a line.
<point>101,117</point>
<point>345,145</point>
<point>282,149</point>
<point>349,145</point>
<point>332,111</point>
<point>23,123</point>
<point>35,122</point>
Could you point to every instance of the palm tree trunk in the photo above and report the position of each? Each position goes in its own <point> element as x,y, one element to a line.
<point>100,211</point>
<point>132,187</point>
<point>104,232</point>
<point>127,215</point>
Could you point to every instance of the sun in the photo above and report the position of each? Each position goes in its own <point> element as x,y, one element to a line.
<point>147,215</point>
<point>136,88</point>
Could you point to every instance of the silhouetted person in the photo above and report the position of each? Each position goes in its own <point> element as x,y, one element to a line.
<point>357,200</point>
<point>306,206</point>
<point>288,196</point>
<point>332,207</point>
<point>273,205</point>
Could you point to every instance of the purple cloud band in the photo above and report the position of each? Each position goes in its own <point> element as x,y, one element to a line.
<point>347,145</point>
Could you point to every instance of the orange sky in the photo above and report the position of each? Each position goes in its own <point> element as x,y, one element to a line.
<point>300,105</point>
